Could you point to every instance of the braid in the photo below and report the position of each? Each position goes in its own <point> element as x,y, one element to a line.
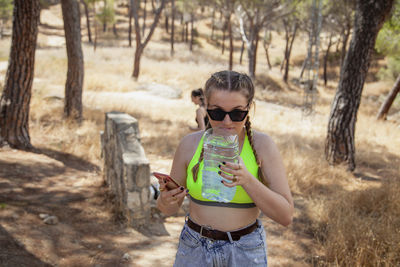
<point>249,133</point>
<point>195,169</point>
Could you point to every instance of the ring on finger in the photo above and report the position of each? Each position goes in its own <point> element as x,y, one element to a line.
<point>234,179</point>
<point>162,189</point>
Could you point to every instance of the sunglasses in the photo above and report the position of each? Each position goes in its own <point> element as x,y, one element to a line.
<point>219,114</point>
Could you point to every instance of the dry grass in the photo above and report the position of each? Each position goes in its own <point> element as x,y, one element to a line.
<point>354,216</point>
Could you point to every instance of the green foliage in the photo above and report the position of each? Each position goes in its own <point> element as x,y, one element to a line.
<point>388,40</point>
<point>107,14</point>
<point>6,7</point>
<point>391,71</point>
<point>388,44</point>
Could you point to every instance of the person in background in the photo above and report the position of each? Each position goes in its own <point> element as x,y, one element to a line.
<point>228,234</point>
<point>201,114</point>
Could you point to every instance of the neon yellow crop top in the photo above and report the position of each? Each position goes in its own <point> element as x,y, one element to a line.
<point>241,198</point>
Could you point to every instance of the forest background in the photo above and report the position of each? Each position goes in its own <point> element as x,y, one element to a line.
<point>347,214</point>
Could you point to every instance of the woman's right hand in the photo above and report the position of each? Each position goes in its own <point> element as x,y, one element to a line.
<point>172,196</point>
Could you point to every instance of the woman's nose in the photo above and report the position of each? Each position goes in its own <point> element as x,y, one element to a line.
<point>227,119</point>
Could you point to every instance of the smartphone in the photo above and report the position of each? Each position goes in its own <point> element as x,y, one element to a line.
<point>171,183</point>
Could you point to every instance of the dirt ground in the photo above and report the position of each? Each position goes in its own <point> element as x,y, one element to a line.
<point>46,182</point>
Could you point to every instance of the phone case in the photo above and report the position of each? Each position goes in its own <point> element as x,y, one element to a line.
<point>171,184</point>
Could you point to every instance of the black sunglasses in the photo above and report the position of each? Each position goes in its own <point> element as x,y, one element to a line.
<point>219,114</point>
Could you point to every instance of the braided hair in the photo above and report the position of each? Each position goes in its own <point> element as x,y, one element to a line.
<point>231,81</point>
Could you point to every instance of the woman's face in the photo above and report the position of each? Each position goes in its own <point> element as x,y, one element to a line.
<point>227,101</point>
<point>196,100</point>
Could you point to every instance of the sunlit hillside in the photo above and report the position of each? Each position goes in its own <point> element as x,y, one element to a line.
<point>352,218</point>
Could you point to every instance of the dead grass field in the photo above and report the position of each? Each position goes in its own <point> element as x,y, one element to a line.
<point>342,218</point>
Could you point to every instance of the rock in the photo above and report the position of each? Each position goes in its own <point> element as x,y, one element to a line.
<point>43,215</point>
<point>126,257</point>
<point>161,90</point>
<point>51,220</point>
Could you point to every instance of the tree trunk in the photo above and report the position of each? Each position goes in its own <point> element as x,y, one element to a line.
<point>241,53</point>
<point>186,32</point>
<point>16,96</point>
<point>223,37</point>
<point>213,22</point>
<point>266,48</point>
<point>289,52</point>
<point>166,23</point>
<point>339,147</point>
<point>130,24</point>
<point>345,39</point>
<point>230,43</point>
<point>74,83</point>
<point>384,109</point>
<point>172,26</point>
<point>144,17</point>
<point>87,20</point>
<point>115,31</point>
<point>326,59</point>
<point>287,38</point>
<point>191,31</point>
<point>139,44</point>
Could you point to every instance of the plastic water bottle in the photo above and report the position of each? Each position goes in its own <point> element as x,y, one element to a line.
<point>219,146</point>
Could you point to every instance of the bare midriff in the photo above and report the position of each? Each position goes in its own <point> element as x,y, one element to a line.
<point>222,218</point>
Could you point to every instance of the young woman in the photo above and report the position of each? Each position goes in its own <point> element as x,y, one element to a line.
<point>201,113</point>
<point>228,234</point>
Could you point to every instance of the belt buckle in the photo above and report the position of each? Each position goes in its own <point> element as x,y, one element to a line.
<point>208,228</point>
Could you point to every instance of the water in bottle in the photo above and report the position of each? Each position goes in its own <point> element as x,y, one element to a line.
<point>219,146</point>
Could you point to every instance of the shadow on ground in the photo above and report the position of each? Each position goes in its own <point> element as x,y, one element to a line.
<point>12,253</point>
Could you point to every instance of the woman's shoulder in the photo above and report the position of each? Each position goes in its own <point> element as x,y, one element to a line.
<point>190,141</point>
<point>263,141</point>
<point>202,110</point>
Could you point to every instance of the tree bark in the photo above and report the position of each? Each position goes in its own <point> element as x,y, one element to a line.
<point>139,44</point>
<point>191,31</point>
<point>87,20</point>
<point>326,59</point>
<point>291,38</point>
<point>74,83</point>
<point>172,26</point>
<point>231,48</point>
<point>339,147</point>
<point>384,109</point>
<point>16,96</point>
<point>130,24</point>
<point>144,17</point>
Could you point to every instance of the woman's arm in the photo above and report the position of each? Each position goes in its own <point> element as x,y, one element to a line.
<point>201,125</point>
<point>170,201</point>
<point>275,201</point>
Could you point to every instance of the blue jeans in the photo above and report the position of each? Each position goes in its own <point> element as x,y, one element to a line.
<point>194,250</point>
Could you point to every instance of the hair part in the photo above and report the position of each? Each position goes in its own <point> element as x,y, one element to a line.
<point>230,81</point>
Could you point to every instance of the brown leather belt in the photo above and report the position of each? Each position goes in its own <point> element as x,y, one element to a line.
<point>220,235</point>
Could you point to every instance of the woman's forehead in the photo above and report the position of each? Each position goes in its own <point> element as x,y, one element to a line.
<point>224,98</point>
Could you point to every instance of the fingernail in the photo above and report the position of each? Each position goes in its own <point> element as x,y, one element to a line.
<point>224,162</point>
<point>182,188</point>
<point>187,190</point>
<point>222,181</point>
<point>219,172</point>
<point>219,165</point>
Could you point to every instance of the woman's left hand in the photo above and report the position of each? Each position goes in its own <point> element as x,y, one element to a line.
<point>237,173</point>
